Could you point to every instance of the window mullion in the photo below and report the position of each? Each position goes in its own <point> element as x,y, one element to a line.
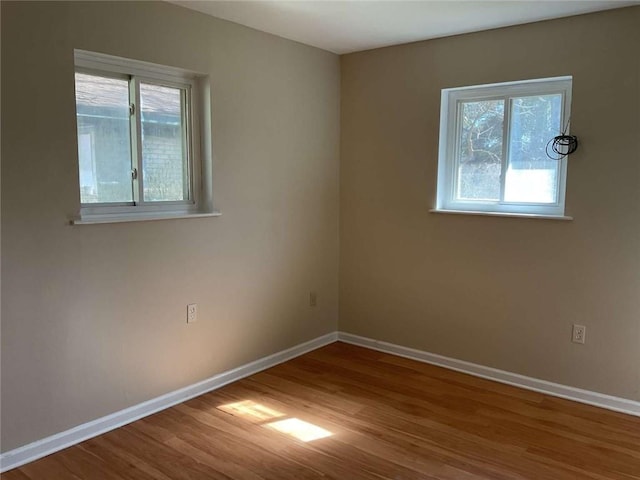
<point>506,130</point>
<point>186,142</point>
<point>456,127</point>
<point>136,141</point>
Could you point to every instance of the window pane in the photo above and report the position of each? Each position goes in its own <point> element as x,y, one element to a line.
<point>531,176</point>
<point>164,159</point>
<point>480,150</point>
<point>104,142</point>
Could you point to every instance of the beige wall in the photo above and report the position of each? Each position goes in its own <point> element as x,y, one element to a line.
<point>501,292</point>
<point>93,317</point>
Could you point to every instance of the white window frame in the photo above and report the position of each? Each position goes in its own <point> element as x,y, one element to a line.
<point>449,145</point>
<point>195,97</point>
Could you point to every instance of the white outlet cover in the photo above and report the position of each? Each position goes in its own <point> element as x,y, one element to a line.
<point>579,334</point>
<point>192,313</point>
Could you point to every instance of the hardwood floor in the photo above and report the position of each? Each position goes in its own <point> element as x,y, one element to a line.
<point>379,416</point>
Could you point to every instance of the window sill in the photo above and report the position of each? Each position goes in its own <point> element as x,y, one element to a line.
<point>502,214</point>
<point>139,217</point>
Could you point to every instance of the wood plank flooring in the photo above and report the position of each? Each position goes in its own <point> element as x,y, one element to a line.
<point>388,418</point>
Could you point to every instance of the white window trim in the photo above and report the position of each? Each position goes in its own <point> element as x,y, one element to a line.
<point>199,142</point>
<point>445,202</point>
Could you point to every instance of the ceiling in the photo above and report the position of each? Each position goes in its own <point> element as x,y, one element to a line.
<point>350,26</point>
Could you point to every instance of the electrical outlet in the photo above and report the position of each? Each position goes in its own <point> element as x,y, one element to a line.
<point>579,333</point>
<point>192,313</point>
<point>313,299</point>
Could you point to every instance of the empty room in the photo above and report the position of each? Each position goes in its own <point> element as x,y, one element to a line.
<point>320,240</point>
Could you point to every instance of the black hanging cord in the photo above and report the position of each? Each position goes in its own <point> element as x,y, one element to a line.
<point>562,145</point>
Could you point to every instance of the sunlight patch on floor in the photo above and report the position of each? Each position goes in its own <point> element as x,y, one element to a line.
<point>251,410</point>
<point>275,420</point>
<point>299,429</point>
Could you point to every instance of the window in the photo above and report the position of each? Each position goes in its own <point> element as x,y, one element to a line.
<point>139,141</point>
<point>493,141</point>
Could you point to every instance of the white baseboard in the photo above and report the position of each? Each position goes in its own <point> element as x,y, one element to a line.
<point>46,446</point>
<point>555,389</point>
